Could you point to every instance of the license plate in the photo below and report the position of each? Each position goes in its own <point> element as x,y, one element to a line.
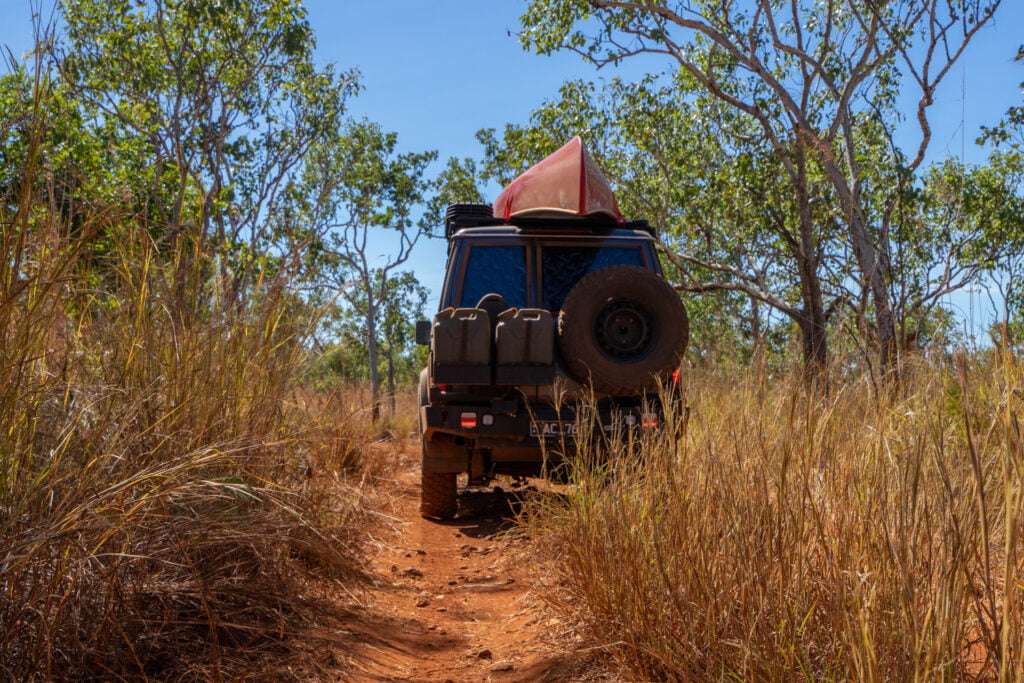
<point>550,430</point>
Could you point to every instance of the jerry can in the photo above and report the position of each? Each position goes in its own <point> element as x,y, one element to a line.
<point>525,339</point>
<point>461,345</point>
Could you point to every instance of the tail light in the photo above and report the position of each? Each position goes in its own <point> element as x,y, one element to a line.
<point>649,420</point>
<point>467,420</point>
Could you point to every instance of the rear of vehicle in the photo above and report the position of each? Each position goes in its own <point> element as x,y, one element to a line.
<point>535,317</point>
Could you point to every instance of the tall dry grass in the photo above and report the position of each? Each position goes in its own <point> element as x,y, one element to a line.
<point>169,505</point>
<point>778,535</point>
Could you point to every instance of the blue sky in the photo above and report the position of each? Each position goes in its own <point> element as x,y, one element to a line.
<point>436,71</point>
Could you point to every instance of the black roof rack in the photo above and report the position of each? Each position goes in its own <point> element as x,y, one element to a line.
<point>461,216</point>
<point>594,225</point>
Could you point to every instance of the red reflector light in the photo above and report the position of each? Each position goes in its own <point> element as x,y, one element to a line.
<point>467,420</point>
<point>442,387</point>
<point>677,375</point>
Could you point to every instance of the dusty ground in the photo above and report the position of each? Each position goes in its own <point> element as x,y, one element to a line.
<point>452,601</point>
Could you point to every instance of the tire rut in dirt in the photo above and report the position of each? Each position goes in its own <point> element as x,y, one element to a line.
<point>621,328</point>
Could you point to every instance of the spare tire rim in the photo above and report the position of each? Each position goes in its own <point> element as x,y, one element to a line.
<point>623,330</point>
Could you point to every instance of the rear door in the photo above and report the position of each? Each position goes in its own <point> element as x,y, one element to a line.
<point>563,263</point>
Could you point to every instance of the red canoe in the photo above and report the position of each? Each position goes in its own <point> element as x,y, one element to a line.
<point>566,183</point>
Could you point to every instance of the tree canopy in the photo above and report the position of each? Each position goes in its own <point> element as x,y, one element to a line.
<point>798,103</point>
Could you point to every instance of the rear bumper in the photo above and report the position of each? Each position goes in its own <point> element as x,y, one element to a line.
<point>508,437</point>
<point>497,426</point>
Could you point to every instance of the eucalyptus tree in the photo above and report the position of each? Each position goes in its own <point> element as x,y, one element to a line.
<point>361,207</point>
<point>962,225</point>
<point>208,109</point>
<point>1007,164</point>
<point>808,76</point>
<point>455,184</point>
<point>719,196</point>
<point>403,303</point>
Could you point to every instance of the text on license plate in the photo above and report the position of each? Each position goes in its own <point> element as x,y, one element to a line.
<point>548,430</point>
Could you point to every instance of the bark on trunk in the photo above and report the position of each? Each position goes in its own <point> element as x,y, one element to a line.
<point>392,388</point>
<point>760,352</point>
<point>872,260</point>
<point>873,264</point>
<point>813,325</point>
<point>815,348</point>
<point>374,361</point>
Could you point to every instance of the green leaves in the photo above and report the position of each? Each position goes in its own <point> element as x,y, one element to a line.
<point>801,99</point>
<point>222,92</point>
<point>697,169</point>
<point>548,25</point>
<point>357,203</point>
<point>402,304</point>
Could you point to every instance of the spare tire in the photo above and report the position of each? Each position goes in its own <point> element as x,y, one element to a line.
<point>621,328</point>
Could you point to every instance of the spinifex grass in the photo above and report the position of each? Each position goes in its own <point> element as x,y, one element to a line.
<point>154,517</point>
<point>782,535</point>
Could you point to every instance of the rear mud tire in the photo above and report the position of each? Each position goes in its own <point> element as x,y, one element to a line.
<point>621,328</point>
<point>438,499</point>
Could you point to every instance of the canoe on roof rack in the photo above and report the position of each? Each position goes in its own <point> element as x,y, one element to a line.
<point>566,183</point>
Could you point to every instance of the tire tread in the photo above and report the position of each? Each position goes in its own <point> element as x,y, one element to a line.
<point>438,499</point>
<point>578,347</point>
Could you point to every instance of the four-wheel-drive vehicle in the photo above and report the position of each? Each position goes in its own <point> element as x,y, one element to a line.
<point>540,311</point>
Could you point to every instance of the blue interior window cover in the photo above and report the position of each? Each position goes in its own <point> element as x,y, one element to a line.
<point>563,266</point>
<point>497,269</point>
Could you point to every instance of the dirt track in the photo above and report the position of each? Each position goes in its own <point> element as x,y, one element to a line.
<point>453,601</point>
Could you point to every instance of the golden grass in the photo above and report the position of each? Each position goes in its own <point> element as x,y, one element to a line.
<point>170,503</point>
<point>780,535</point>
<point>166,502</point>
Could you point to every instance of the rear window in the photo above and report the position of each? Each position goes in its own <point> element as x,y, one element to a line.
<point>494,269</point>
<point>563,266</point>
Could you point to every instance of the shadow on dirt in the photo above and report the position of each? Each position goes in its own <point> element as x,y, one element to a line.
<point>484,513</point>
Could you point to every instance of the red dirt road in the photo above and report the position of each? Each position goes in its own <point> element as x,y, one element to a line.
<point>452,601</point>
